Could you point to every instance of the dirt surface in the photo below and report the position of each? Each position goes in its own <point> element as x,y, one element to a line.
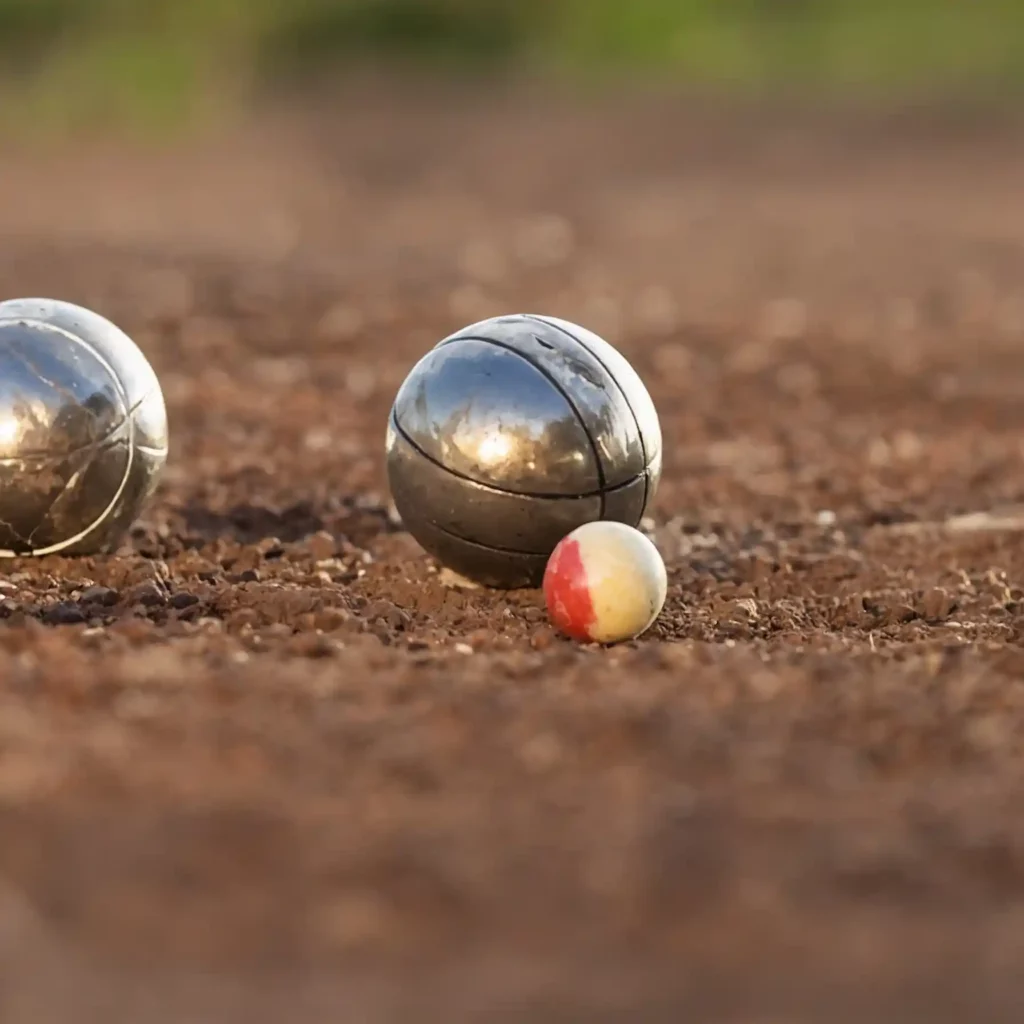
<point>270,764</point>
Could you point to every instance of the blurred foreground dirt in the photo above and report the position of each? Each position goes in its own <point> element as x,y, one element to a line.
<point>270,765</point>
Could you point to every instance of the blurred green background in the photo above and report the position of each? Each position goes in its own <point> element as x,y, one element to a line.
<point>71,62</point>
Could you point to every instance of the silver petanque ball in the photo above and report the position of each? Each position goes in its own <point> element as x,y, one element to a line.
<point>83,430</point>
<point>508,435</point>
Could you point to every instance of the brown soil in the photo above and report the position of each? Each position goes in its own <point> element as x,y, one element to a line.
<point>270,765</point>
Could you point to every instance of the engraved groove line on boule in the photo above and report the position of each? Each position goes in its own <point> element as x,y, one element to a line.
<point>98,443</point>
<point>568,496</point>
<point>129,419</point>
<point>486,547</point>
<point>622,391</point>
<point>598,465</point>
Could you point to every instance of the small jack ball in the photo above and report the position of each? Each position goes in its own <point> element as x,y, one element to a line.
<point>604,583</point>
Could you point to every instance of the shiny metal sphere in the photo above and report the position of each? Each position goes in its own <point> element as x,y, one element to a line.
<point>83,429</point>
<point>508,435</point>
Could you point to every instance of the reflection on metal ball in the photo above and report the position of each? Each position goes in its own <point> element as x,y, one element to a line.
<point>83,430</point>
<point>512,432</point>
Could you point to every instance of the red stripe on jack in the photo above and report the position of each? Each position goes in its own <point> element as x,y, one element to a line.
<point>567,592</point>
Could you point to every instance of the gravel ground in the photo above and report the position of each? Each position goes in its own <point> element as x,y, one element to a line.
<point>270,764</point>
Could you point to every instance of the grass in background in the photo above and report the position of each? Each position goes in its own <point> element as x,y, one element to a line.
<point>862,44</point>
<point>70,63</point>
<point>473,34</point>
